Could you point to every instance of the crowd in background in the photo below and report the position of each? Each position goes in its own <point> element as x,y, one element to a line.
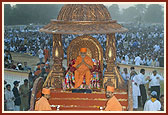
<point>144,42</point>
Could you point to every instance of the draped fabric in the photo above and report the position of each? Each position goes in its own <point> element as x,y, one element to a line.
<point>69,80</point>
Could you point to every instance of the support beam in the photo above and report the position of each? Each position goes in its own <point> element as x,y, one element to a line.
<point>58,55</point>
<point>111,70</point>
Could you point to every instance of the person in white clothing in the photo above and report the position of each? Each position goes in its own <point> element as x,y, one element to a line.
<point>41,55</point>
<point>155,82</point>
<point>125,75</point>
<point>9,97</point>
<point>126,59</point>
<point>123,61</point>
<point>149,61</point>
<point>135,90</point>
<point>142,86</point>
<point>153,104</point>
<point>137,60</point>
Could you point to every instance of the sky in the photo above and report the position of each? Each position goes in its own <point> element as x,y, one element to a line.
<point>121,6</point>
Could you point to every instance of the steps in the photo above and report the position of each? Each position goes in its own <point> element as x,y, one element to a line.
<point>84,102</point>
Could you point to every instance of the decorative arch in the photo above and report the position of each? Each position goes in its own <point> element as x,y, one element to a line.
<point>92,44</point>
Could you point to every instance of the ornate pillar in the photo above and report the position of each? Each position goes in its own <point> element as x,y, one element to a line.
<point>111,70</point>
<point>58,56</point>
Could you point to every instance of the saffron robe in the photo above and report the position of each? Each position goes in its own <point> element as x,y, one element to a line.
<point>46,55</point>
<point>113,105</point>
<point>82,71</point>
<point>42,105</point>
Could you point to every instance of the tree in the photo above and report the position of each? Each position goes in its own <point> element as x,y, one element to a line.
<point>141,8</point>
<point>129,14</point>
<point>31,13</point>
<point>7,13</point>
<point>154,14</point>
<point>114,11</point>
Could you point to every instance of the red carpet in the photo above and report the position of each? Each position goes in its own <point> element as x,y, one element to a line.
<point>83,102</point>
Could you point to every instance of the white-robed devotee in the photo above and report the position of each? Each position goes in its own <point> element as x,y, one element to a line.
<point>136,81</point>
<point>155,79</point>
<point>152,104</point>
<point>9,98</point>
<point>137,60</point>
<point>143,81</point>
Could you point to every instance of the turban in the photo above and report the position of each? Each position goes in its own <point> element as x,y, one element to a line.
<point>110,88</point>
<point>154,93</point>
<point>45,91</point>
<point>83,50</point>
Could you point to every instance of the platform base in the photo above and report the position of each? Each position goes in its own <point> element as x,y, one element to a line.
<point>81,91</point>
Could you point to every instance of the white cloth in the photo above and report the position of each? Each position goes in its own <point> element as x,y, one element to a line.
<point>118,59</point>
<point>135,102</point>
<point>149,62</point>
<point>152,106</point>
<point>126,76</point>
<point>40,52</point>
<point>135,88</point>
<point>10,103</point>
<point>142,77</point>
<point>144,61</point>
<point>137,60</point>
<point>157,48</point>
<point>154,81</point>
<point>123,62</point>
<point>126,59</point>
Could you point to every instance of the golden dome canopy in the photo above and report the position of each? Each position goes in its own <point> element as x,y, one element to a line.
<point>84,12</point>
<point>83,19</point>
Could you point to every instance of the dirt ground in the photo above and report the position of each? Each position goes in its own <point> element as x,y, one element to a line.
<point>31,60</point>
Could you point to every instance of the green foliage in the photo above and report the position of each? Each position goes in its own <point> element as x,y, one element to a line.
<point>129,14</point>
<point>139,13</point>
<point>154,14</point>
<point>114,11</point>
<point>43,13</point>
<point>7,13</point>
<point>30,13</point>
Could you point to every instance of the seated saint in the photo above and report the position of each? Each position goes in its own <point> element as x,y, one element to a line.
<point>83,64</point>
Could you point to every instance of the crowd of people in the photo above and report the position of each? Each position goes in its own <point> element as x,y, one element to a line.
<point>17,99</point>
<point>141,45</point>
<point>139,90</point>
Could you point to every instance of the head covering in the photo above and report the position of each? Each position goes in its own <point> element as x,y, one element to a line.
<point>45,91</point>
<point>16,82</point>
<point>83,50</point>
<point>26,80</point>
<point>19,64</point>
<point>154,93</point>
<point>110,88</point>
